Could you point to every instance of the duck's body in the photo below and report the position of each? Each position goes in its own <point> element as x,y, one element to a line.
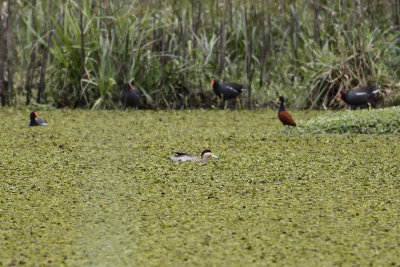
<point>188,157</point>
<point>35,120</point>
<point>228,90</point>
<point>129,96</point>
<point>360,96</point>
<point>284,116</point>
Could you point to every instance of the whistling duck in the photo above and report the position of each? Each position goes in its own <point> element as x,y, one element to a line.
<point>36,121</point>
<point>228,90</point>
<point>284,115</point>
<point>188,157</point>
<point>130,96</point>
<point>360,96</point>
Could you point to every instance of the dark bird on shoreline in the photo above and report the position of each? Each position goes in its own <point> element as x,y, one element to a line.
<point>228,90</point>
<point>35,120</point>
<point>188,157</point>
<point>130,96</point>
<point>284,115</point>
<point>360,96</point>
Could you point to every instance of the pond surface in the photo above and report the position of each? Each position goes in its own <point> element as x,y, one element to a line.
<point>97,188</point>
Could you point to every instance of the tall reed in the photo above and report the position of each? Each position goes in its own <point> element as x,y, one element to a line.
<point>78,53</point>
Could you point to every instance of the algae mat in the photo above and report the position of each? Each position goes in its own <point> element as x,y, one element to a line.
<point>96,188</point>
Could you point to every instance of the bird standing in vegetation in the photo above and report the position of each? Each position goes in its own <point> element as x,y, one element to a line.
<point>360,96</point>
<point>36,120</point>
<point>284,115</point>
<point>188,157</point>
<point>130,96</point>
<point>228,90</point>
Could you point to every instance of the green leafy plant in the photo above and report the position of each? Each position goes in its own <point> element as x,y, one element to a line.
<point>172,49</point>
<point>377,121</point>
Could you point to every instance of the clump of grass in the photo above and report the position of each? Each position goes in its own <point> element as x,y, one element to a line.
<point>379,121</point>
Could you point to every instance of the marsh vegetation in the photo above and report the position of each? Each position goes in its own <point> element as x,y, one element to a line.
<point>78,53</point>
<point>97,188</point>
<point>379,121</point>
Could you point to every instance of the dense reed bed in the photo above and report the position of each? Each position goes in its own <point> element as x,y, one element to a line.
<point>78,53</point>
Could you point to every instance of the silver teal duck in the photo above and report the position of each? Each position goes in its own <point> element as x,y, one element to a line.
<point>188,157</point>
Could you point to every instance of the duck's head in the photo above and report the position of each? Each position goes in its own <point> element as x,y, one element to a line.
<point>214,82</point>
<point>207,153</point>
<point>341,95</point>
<point>34,115</point>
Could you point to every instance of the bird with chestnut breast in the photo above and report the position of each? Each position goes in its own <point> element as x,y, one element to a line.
<point>284,116</point>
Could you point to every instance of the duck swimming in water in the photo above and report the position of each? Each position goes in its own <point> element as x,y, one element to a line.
<point>36,121</point>
<point>188,157</point>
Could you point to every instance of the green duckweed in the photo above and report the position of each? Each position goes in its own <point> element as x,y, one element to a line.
<point>97,188</point>
<point>376,121</point>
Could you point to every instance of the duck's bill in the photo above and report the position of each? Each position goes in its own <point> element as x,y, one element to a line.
<point>214,156</point>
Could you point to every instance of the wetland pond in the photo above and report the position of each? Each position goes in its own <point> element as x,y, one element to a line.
<point>97,188</point>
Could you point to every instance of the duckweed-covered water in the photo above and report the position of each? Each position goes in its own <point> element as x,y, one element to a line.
<point>96,188</point>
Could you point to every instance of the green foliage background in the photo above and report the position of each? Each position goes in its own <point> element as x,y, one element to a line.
<point>171,50</point>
